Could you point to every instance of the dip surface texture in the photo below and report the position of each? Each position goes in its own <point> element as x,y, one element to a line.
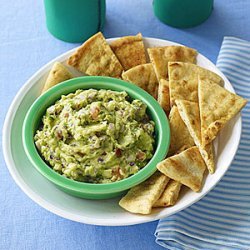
<point>96,136</point>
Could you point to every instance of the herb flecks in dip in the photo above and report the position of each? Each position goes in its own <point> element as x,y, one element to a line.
<point>96,136</point>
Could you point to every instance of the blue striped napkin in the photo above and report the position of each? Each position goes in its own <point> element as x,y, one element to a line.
<point>221,220</point>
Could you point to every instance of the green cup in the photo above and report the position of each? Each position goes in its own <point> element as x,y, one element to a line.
<point>74,20</point>
<point>183,13</point>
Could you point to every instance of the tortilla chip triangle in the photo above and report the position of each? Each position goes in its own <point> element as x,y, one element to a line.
<point>170,194</point>
<point>163,95</point>
<point>160,56</point>
<point>95,57</point>
<point>180,136</point>
<point>183,80</point>
<point>217,107</point>
<point>143,76</point>
<point>129,50</point>
<point>190,114</point>
<point>141,198</point>
<point>187,167</point>
<point>57,74</point>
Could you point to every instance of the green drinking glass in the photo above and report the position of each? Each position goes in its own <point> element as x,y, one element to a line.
<point>182,13</point>
<point>74,20</point>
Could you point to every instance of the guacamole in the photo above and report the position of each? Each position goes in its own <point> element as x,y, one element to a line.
<point>96,136</point>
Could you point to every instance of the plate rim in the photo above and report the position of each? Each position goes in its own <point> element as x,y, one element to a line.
<point>8,122</point>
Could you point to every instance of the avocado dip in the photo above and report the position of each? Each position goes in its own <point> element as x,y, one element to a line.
<point>96,136</point>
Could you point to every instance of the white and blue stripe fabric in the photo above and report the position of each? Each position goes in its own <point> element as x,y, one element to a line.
<point>221,220</point>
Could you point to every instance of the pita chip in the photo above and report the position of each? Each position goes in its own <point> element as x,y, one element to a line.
<point>180,137</point>
<point>143,76</point>
<point>183,80</point>
<point>190,114</point>
<point>217,107</point>
<point>129,50</point>
<point>95,57</point>
<point>57,74</point>
<point>207,153</point>
<point>141,198</point>
<point>163,95</point>
<point>160,56</point>
<point>186,167</point>
<point>170,194</point>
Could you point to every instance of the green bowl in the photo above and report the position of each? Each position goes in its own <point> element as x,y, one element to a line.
<point>89,190</point>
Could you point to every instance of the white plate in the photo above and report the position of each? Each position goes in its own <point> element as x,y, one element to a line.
<point>102,212</point>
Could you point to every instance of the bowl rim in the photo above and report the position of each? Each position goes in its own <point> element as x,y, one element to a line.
<point>95,82</point>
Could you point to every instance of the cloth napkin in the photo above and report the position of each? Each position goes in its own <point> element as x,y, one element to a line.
<point>221,220</point>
